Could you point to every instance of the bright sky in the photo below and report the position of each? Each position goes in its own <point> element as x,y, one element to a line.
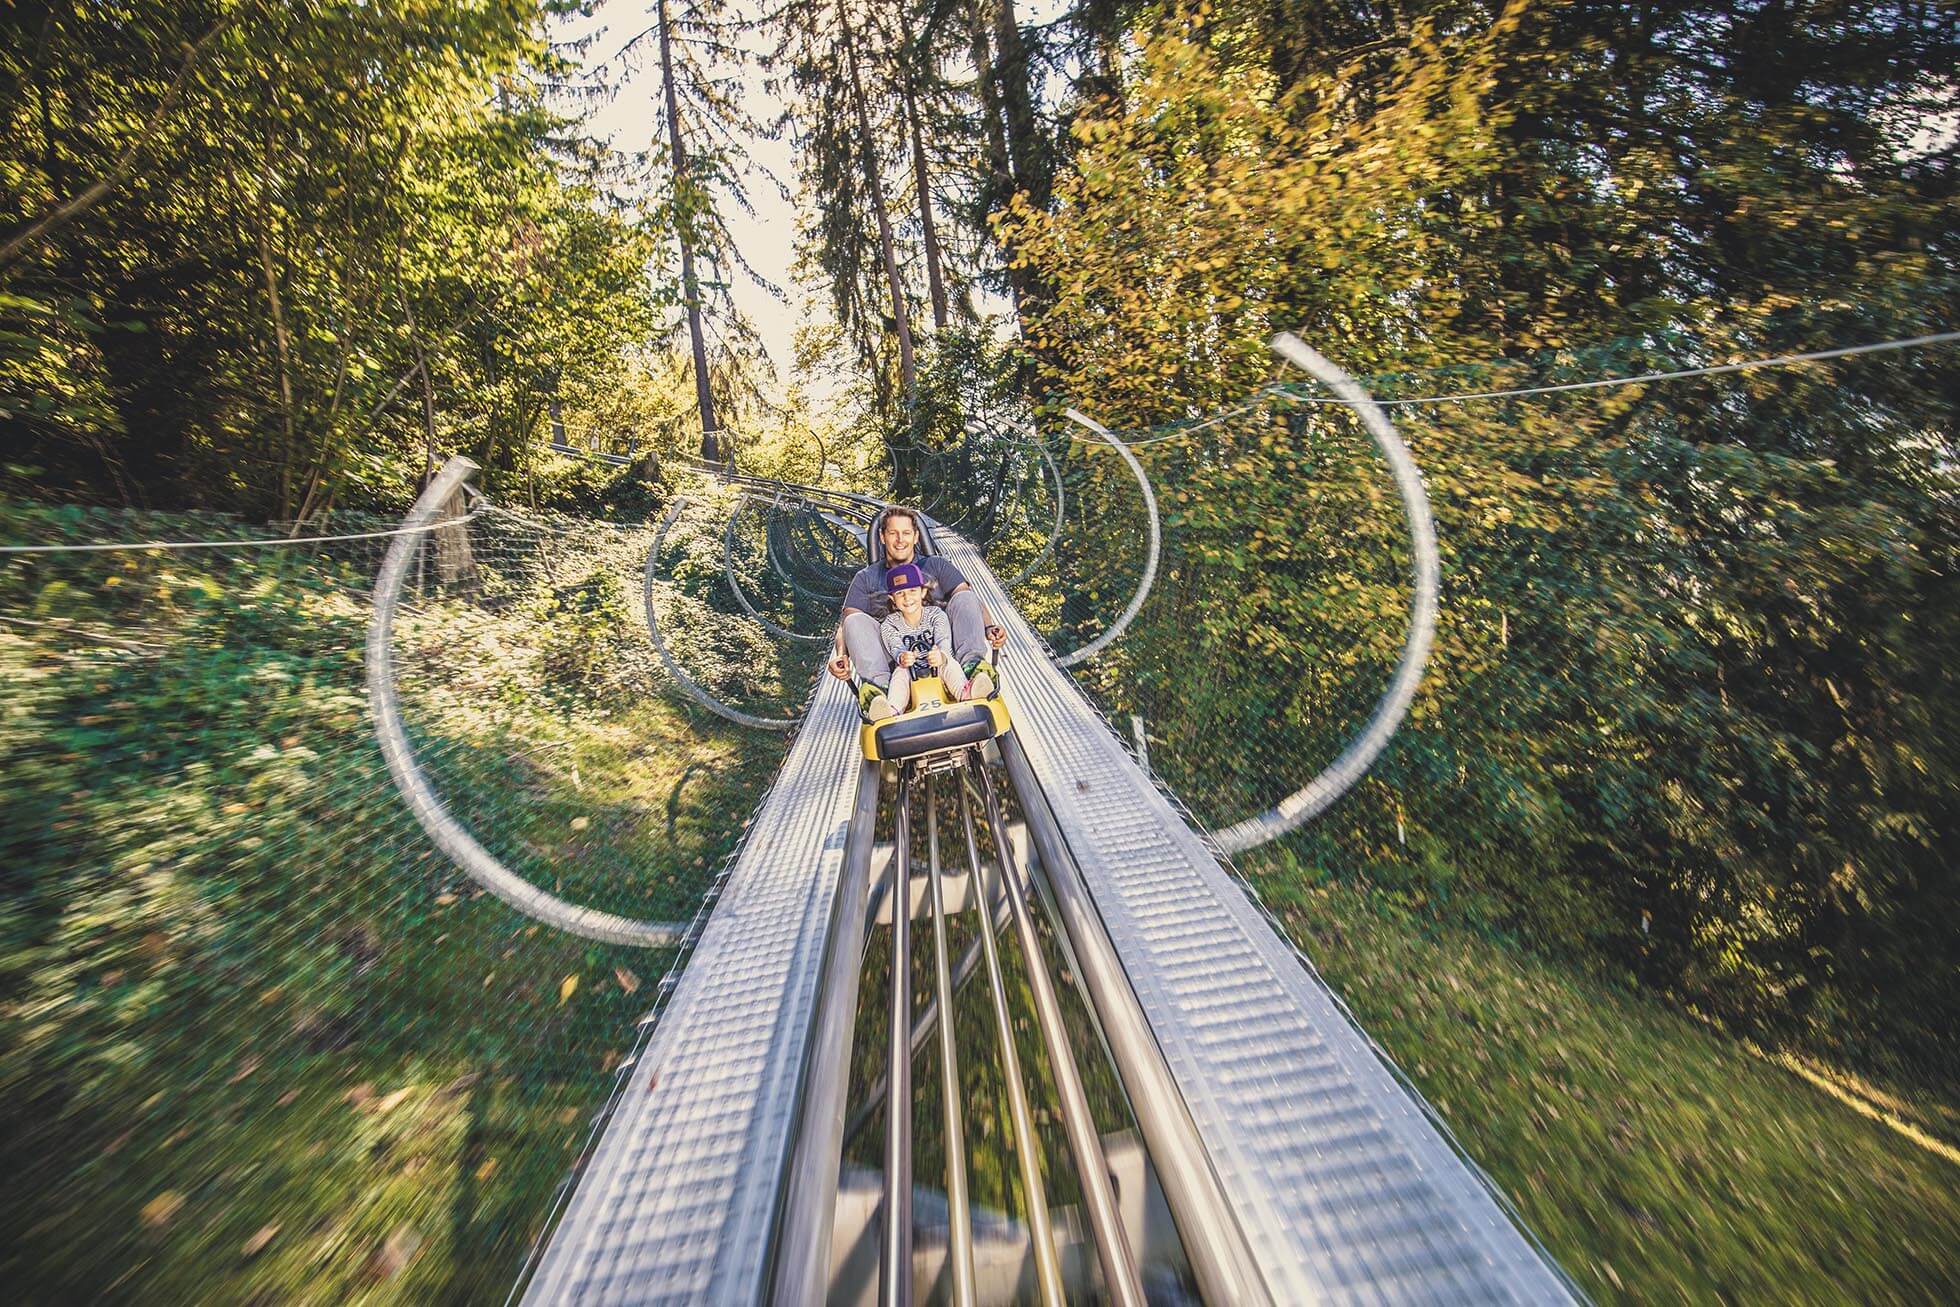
<point>767,236</point>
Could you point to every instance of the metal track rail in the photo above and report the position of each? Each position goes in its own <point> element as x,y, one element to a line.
<point>683,1196</point>
<point>1339,1185</point>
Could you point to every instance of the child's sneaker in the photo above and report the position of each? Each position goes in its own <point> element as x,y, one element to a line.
<point>873,703</point>
<point>980,681</point>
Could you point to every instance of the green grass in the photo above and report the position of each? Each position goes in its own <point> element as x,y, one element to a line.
<point>259,1041</point>
<point>1660,1160</point>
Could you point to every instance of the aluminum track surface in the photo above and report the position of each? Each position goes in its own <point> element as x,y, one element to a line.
<point>1345,1191</point>
<point>680,1196</point>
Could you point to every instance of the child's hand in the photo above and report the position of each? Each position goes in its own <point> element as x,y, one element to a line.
<point>907,658</point>
<point>936,659</point>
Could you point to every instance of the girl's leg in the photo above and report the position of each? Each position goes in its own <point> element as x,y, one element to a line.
<point>955,677</point>
<point>900,692</point>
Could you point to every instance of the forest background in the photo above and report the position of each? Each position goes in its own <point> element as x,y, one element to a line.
<point>1691,726</point>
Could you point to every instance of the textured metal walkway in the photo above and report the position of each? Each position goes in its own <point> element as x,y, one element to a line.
<point>680,1196</point>
<point>1344,1190</point>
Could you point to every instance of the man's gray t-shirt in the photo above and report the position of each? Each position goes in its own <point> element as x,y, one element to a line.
<point>868,594</point>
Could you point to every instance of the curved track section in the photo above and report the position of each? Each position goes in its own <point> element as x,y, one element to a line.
<point>691,687</point>
<point>475,861</point>
<point>1313,798</point>
<point>735,583</point>
<point>1149,578</point>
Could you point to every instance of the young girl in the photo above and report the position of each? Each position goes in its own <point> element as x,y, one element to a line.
<point>915,634</point>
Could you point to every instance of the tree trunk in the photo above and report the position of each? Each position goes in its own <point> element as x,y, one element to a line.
<point>900,316</point>
<point>690,285</point>
<point>285,373</point>
<point>1001,184</point>
<point>922,182</point>
<point>1017,101</point>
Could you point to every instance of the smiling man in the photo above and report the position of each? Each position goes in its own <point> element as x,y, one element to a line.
<point>859,644</point>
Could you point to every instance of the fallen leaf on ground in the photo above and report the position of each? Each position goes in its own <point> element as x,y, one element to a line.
<point>246,1066</point>
<point>396,1253</point>
<point>485,1171</point>
<point>158,1211</point>
<point>392,1101</point>
<point>256,1244</point>
<point>627,980</point>
<point>566,988</point>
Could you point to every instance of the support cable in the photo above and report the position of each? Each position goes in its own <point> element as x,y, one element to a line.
<point>409,528</point>
<point>1260,397</point>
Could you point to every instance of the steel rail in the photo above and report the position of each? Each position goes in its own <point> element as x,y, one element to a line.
<point>958,1218</point>
<point>774,530</point>
<point>1120,1280</point>
<point>1215,1246</point>
<point>1151,556</point>
<point>928,1021</point>
<point>895,1267</point>
<point>1040,446</point>
<point>800,1269</point>
<point>1313,798</point>
<point>688,684</point>
<point>819,555</point>
<point>735,584</point>
<point>448,834</point>
<point>1027,1148</point>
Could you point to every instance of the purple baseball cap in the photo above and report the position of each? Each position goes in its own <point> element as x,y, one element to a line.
<point>905,576</point>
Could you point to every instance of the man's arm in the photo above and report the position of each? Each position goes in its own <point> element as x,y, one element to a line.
<point>839,665</point>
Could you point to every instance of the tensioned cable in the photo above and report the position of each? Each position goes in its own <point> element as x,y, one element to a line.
<point>1743,365</point>
<point>1260,396</point>
<point>416,529</point>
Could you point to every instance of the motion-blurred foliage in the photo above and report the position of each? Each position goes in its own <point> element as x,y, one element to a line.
<point>1690,713</point>
<point>280,259</point>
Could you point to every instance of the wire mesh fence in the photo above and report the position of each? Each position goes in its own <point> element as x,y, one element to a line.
<point>1676,624</point>
<point>262,1039</point>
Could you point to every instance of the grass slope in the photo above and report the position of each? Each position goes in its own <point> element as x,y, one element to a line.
<point>259,1042</point>
<point>1659,1160</point>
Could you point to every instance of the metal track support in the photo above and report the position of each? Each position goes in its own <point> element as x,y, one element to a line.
<point>1027,1150</point>
<point>1120,1279</point>
<point>895,1271</point>
<point>959,1220</point>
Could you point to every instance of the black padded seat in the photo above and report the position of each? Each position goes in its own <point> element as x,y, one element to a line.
<point>959,724</point>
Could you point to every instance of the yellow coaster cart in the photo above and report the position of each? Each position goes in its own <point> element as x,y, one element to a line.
<point>934,724</point>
